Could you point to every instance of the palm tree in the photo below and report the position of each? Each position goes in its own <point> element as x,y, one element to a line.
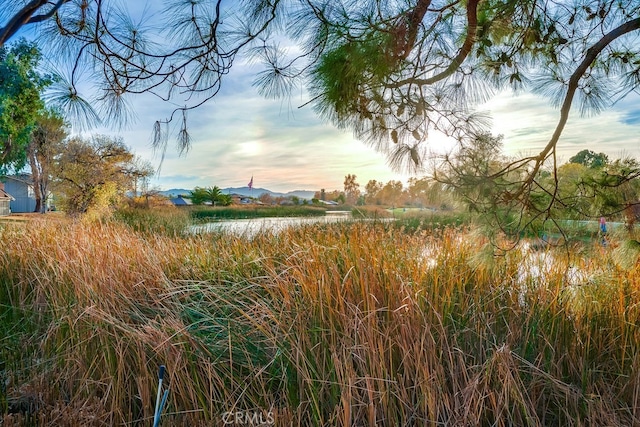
<point>213,194</point>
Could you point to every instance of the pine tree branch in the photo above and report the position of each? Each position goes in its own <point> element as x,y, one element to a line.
<point>590,56</point>
<point>25,17</point>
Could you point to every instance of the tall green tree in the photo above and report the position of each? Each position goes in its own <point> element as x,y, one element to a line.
<point>213,195</point>
<point>20,103</point>
<point>476,175</point>
<point>590,159</point>
<point>615,188</point>
<point>425,192</point>
<point>474,172</point>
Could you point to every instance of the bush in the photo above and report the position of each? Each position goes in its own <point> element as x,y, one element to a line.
<point>166,220</point>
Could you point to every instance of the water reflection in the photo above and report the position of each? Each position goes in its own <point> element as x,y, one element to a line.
<point>250,227</point>
<point>538,272</point>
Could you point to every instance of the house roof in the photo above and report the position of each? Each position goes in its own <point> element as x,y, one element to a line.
<point>5,195</point>
<point>181,201</point>
<point>23,177</point>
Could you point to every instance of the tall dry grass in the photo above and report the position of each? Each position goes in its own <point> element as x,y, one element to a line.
<point>328,325</point>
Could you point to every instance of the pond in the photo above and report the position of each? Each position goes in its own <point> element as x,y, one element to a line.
<point>250,227</point>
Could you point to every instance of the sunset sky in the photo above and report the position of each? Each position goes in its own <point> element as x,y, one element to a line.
<point>239,134</point>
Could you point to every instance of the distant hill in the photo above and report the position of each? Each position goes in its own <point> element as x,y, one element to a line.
<point>246,191</point>
<point>303,194</point>
<point>175,192</point>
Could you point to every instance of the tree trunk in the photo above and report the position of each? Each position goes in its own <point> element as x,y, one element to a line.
<point>35,179</point>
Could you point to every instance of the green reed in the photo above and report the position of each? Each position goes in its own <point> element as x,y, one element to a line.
<point>329,325</point>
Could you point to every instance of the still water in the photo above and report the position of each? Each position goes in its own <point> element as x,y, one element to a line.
<point>250,227</point>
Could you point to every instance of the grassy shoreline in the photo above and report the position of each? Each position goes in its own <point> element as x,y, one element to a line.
<point>246,212</point>
<point>361,323</point>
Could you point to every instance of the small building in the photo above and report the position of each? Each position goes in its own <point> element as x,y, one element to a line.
<point>5,201</point>
<point>21,189</point>
<point>181,201</point>
<point>240,199</point>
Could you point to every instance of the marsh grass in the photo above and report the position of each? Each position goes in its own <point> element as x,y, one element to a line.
<point>370,212</point>
<point>165,220</point>
<point>328,325</point>
<point>202,213</point>
<point>430,220</point>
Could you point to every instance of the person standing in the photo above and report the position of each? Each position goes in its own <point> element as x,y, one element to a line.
<point>603,231</point>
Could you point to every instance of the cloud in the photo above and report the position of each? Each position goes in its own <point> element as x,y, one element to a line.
<point>528,121</point>
<point>632,118</point>
<point>239,134</point>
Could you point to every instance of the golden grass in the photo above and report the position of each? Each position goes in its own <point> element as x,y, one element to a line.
<point>340,325</point>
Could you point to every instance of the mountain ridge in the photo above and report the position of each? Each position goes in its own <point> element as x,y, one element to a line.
<point>245,191</point>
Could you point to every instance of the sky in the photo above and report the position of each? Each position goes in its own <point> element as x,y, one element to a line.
<point>239,135</point>
<point>527,122</point>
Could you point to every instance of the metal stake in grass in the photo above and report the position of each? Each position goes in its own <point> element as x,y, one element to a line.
<point>160,403</point>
